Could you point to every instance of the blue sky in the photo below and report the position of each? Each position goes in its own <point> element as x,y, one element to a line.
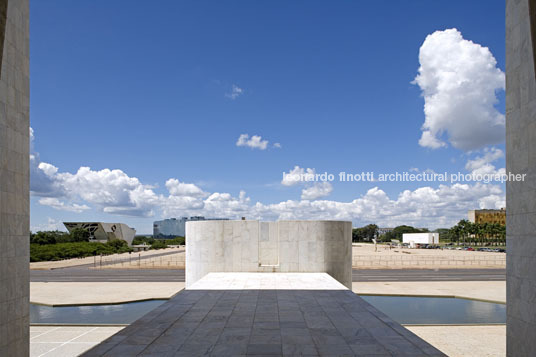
<point>164,92</point>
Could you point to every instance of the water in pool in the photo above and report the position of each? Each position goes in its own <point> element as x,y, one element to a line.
<point>405,310</point>
<point>429,310</point>
<point>94,314</point>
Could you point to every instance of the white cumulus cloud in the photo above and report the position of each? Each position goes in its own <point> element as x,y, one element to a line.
<point>422,207</point>
<point>62,206</point>
<point>41,174</point>
<point>177,188</point>
<point>297,175</point>
<point>235,92</point>
<point>50,225</point>
<point>117,193</point>
<point>317,190</point>
<point>482,165</point>
<point>225,205</point>
<point>459,80</point>
<point>314,187</point>
<point>112,191</point>
<point>255,142</point>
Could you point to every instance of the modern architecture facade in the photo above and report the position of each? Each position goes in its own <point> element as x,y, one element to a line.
<point>487,216</point>
<point>274,288</point>
<point>521,195</point>
<point>104,232</point>
<point>420,238</point>
<point>14,177</point>
<point>383,231</point>
<point>275,247</point>
<point>175,227</point>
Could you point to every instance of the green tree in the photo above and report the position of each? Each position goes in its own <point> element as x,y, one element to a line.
<point>455,233</point>
<point>158,244</point>
<point>79,235</point>
<point>60,251</point>
<point>42,238</point>
<point>502,233</point>
<point>142,239</point>
<point>444,234</point>
<point>117,244</point>
<point>466,228</point>
<point>49,237</point>
<point>398,231</point>
<point>366,233</point>
<point>175,241</point>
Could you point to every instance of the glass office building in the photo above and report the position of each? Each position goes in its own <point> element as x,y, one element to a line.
<point>175,227</point>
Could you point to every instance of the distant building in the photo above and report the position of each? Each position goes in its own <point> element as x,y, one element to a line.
<point>175,227</point>
<point>104,232</point>
<point>140,247</point>
<point>382,231</point>
<point>420,238</point>
<point>488,216</point>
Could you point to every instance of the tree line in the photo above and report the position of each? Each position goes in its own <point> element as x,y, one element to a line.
<point>57,245</point>
<point>372,231</point>
<point>464,232</point>
<point>469,233</point>
<point>68,250</point>
<point>158,243</point>
<point>52,237</point>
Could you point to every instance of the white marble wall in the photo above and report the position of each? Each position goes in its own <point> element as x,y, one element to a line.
<point>14,183</point>
<point>520,196</point>
<point>283,246</point>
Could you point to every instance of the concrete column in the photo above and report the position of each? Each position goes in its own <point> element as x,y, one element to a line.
<point>14,180</point>
<point>521,196</point>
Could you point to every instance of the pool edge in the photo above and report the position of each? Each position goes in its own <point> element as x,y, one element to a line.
<point>446,296</point>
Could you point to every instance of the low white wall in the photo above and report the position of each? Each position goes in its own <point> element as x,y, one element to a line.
<point>283,246</point>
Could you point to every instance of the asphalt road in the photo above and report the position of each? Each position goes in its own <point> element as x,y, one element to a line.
<point>133,275</point>
<point>110,275</point>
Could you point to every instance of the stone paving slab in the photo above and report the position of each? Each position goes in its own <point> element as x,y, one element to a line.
<point>64,341</point>
<point>491,291</point>
<point>459,341</point>
<point>89,293</point>
<point>285,314</point>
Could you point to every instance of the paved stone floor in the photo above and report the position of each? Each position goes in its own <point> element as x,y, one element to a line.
<point>62,341</point>
<point>230,314</point>
<point>491,291</point>
<point>87,293</point>
<point>461,341</point>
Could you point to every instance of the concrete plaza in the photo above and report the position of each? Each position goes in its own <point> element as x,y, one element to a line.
<point>67,341</point>
<point>73,293</point>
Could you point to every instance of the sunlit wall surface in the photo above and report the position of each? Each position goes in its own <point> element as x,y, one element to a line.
<point>521,195</point>
<point>14,179</point>
<point>282,246</point>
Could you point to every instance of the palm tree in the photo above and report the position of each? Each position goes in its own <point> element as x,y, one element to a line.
<point>472,230</point>
<point>485,232</point>
<point>502,233</point>
<point>464,227</point>
<point>478,229</point>
<point>454,233</point>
